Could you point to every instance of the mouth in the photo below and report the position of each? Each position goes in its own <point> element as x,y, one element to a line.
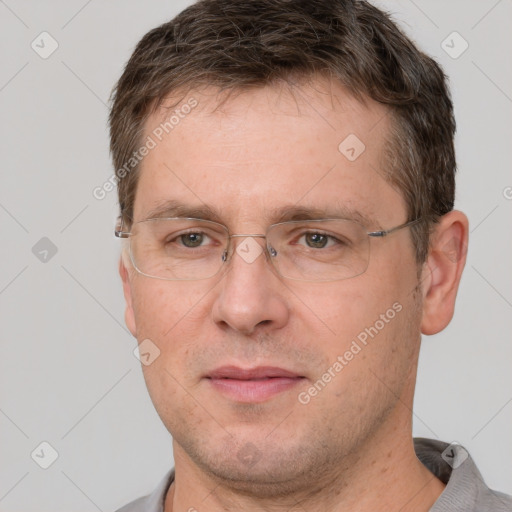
<point>253,385</point>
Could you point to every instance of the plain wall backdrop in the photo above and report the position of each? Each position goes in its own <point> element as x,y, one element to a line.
<point>68,375</point>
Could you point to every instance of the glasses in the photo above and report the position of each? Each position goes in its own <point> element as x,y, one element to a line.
<point>182,249</point>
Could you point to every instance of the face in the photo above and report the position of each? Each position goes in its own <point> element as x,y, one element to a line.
<point>263,379</point>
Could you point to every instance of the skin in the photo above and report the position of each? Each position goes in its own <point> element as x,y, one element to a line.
<point>349,448</point>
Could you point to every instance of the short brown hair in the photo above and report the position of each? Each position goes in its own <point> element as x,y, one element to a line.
<point>235,44</point>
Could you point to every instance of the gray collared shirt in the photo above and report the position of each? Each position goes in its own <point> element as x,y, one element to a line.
<point>465,489</point>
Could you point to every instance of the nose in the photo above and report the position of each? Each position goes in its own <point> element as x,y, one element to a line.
<point>250,295</point>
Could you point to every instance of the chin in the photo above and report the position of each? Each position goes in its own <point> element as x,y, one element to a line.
<point>255,466</point>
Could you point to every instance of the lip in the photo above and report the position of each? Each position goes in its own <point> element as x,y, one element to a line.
<point>252,385</point>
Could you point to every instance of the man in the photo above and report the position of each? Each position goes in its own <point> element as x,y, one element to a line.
<point>286,184</point>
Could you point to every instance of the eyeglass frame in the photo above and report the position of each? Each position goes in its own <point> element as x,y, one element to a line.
<point>119,233</point>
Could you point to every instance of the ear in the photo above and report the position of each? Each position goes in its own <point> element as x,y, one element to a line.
<point>129,316</point>
<point>443,270</point>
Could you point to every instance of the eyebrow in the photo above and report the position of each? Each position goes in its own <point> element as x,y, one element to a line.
<point>172,208</point>
<point>338,211</point>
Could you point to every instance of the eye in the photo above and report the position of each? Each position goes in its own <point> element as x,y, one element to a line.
<point>190,240</point>
<point>317,240</point>
<point>193,239</point>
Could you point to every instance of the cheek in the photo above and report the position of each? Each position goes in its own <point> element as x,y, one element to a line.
<point>170,316</point>
<point>341,311</point>
<point>371,361</point>
<point>161,308</point>
<point>173,317</point>
<point>167,389</point>
<point>372,321</point>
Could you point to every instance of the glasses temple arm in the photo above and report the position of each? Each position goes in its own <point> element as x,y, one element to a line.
<point>118,231</point>
<point>392,230</point>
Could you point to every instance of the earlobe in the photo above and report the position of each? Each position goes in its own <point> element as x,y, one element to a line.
<point>129,315</point>
<point>443,270</point>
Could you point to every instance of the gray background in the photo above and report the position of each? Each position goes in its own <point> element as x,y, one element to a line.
<point>67,372</point>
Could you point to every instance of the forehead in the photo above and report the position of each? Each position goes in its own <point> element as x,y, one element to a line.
<point>244,154</point>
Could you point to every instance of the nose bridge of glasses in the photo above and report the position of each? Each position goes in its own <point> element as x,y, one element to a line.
<point>256,235</point>
<point>246,248</point>
<point>242,237</point>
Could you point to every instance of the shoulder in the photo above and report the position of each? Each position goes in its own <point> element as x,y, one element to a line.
<point>466,490</point>
<point>153,502</point>
<point>138,505</point>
